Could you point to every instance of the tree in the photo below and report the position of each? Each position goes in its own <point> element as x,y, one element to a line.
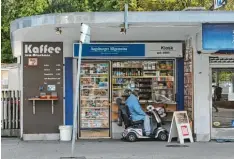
<point>13,9</point>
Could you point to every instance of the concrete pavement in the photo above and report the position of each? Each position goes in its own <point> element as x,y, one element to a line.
<point>114,149</point>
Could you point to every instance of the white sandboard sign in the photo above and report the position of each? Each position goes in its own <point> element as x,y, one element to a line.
<point>180,127</point>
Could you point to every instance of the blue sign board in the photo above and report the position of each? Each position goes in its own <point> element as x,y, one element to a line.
<point>232,123</point>
<point>110,50</point>
<point>218,37</point>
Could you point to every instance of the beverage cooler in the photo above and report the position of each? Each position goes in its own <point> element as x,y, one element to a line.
<point>94,116</point>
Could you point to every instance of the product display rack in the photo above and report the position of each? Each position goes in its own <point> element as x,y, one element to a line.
<point>148,77</point>
<point>94,100</point>
<point>153,79</point>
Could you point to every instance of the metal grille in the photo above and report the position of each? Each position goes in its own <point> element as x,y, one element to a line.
<point>221,60</point>
<point>10,109</point>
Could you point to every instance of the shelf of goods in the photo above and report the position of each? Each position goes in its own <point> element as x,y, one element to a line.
<point>154,80</point>
<point>94,100</point>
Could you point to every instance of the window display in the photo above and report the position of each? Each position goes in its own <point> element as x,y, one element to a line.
<point>154,80</point>
<point>94,99</point>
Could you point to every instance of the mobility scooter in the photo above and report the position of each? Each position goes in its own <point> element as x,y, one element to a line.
<point>134,130</point>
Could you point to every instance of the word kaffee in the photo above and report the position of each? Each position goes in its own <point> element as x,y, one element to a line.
<point>44,49</point>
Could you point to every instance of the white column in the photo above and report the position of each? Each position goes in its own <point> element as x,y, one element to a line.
<point>201,95</point>
<point>74,81</point>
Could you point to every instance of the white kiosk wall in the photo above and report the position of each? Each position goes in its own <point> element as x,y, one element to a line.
<point>201,93</point>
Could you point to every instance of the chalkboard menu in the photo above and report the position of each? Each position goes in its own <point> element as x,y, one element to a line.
<point>43,82</point>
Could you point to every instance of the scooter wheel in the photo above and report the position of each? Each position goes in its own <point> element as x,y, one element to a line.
<point>162,136</point>
<point>131,137</point>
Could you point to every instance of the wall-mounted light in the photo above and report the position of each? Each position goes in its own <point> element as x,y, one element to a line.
<point>58,30</point>
<point>122,30</point>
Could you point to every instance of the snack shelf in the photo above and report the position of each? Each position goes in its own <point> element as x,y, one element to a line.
<point>153,79</point>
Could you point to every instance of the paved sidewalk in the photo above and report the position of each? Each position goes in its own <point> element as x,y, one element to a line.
<point>114,149</point>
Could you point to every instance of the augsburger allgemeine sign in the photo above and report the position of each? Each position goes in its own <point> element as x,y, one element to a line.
<point>34,49</point>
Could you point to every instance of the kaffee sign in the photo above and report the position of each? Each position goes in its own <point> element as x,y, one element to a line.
<point>42,74</point>
<point>36,49</point>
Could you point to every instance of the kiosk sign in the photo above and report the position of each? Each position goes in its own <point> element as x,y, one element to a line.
<point>102,50</point>
<point>124,50</point>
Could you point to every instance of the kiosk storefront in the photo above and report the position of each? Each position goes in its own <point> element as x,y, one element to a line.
<point>109,69</point>
<point>113,71</point>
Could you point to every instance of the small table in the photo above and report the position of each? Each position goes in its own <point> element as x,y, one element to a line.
<point>39,99</point>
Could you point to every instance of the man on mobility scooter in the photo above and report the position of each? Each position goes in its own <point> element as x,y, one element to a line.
<point>138,124</point>
<point>136,112</point>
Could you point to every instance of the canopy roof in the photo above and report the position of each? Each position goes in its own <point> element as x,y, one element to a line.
<point>105,26</point>
<point>176,17</point>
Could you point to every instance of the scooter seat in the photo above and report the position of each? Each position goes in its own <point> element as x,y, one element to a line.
<point>138,122</point>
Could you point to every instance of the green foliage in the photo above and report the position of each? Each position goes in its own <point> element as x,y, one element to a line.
<point>13,9</point>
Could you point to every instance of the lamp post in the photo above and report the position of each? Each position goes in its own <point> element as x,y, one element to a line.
<point>84,38</point>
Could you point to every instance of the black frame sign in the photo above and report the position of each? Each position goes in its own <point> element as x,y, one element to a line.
<point>42,76</point>
<point>46,56</point>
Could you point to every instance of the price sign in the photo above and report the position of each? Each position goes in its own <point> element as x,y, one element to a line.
<point>184,130</point>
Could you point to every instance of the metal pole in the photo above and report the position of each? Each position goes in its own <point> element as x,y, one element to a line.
<point>77,97</point>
